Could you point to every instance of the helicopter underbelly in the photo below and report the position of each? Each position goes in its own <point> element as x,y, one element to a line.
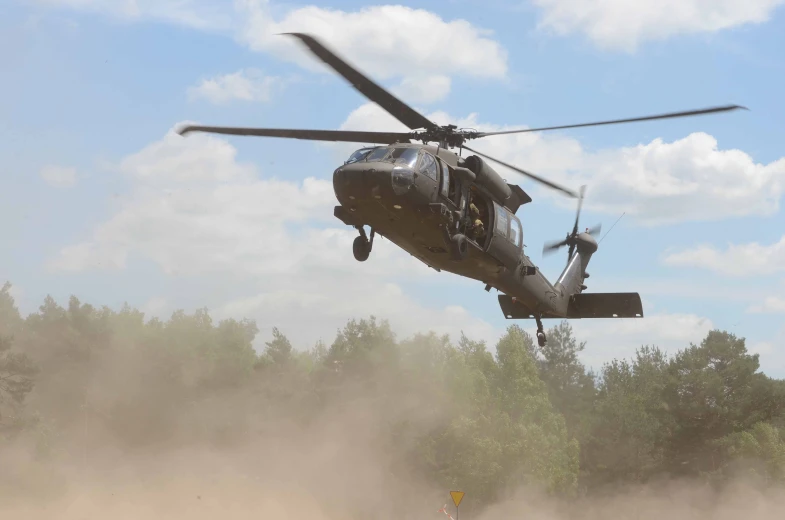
<point>409,220</point>
<point>411,223</point>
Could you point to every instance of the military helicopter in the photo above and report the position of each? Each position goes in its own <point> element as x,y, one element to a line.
<point>455,214</point>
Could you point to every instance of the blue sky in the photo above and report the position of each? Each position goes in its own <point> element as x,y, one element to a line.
<point>102,201</point>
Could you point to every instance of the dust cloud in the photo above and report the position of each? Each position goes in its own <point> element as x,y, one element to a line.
<point>334,468</point>
<point>130,434</point>
<point>125,438</point>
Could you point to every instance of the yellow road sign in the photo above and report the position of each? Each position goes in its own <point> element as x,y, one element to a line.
<point>457,496</point>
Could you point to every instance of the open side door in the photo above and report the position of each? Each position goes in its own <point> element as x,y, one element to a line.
<point>449,189</point>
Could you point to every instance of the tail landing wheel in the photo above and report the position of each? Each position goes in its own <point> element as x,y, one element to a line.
<point>362,246</point>
<point>541,339</point>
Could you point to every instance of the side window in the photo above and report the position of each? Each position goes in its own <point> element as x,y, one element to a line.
<point>502,221</point>
<point>515,231</point>
<point>445,181</point>
<point>428,166</point>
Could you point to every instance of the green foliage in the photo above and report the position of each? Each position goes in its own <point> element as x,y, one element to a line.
<point>456,415</point>
<point>757,452</point>
<point>714,390</point>
<point>16,373</point>
<point>507,433</point>
<point>570,387</point>
<point>10,319</point>
<point>279,350</point>
<point>630,420</point>
<point>687,415</point>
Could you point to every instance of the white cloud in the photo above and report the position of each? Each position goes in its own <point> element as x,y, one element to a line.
<point>656,183</point>
<point>58,176</point>
<point>761,347</point>
<point>196,211</point>
<point>741,260</point>
<point>771,305</point>
<point>772,355</point>
<point>386,41</point>
<point>244,85</point>
<point>201,157</point>
<point>155,306</point>
<point>424,89</point>
<point>620,338</point>
<point>197,14</point>
<point>625,24</point>
<point>683,288</point>
<point>315,309</point>
<point>16,292</point>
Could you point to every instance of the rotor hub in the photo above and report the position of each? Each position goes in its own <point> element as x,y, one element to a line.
<point>447,135</point>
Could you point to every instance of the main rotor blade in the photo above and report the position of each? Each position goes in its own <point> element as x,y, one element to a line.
<point>528,174</point>
<point>703,111</point>
<point>349,136</point>
<point>397,108</point>
<point>578,213</point>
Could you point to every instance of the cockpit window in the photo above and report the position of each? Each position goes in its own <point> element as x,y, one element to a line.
<point>377,154</point>
<point>429,167</point>
<point>358,155</point>
<point>403,156</point>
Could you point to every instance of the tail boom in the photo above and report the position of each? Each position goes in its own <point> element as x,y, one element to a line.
<point>567,300</point>
<point>570,282</point>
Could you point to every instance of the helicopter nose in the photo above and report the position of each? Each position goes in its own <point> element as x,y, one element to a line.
<point>366,167</point>
<point>362,180</point>
<point>363,173</point>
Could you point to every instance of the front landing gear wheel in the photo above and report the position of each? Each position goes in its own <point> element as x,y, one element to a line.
<point>361,249</point>
<point>459,247</point>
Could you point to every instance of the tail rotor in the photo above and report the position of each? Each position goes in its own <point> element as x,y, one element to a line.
<point>570,239</point>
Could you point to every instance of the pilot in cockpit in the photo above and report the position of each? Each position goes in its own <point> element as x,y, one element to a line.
<point>359,155</point>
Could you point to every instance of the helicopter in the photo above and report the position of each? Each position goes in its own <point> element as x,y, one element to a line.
<point>454,213</point>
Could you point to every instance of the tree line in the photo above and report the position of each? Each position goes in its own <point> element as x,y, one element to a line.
<point>456,413</point>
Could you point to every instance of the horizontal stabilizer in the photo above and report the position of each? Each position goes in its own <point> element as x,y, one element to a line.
<point>605,305</point>
<point>586,305</point>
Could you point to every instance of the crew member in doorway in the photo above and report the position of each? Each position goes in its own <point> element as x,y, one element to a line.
<point>478,228</point>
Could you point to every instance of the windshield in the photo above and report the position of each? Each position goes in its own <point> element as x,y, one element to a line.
<point>377,154</point>
<point>403,156</point>
<point>358,155</point>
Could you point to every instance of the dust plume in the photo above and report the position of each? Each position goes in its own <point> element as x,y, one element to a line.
<point>678,499</point>
<point>133,430</point>
<point>183,419</point>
